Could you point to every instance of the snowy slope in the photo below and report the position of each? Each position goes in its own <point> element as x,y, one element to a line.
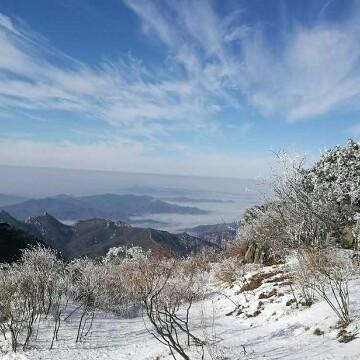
<point>273,329</point>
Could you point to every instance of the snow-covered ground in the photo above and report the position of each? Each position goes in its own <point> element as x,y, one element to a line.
<point>268,328</point>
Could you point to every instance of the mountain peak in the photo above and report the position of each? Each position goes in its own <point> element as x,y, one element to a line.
<point>41,218</point>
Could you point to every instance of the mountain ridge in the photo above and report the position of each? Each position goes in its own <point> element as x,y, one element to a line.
<point>94,237</point>
<point>107,206</point>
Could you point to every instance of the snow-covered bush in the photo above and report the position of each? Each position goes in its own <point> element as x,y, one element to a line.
<point>86,289</point>
<point>304,281</point>
<point>29,290</point>
<point>12,304</point>
<point>39,287</point>
<point>117,255</point>
<point>123,277</point>
<point>356,232</point>
<point>46,270</point>
<point>304,219</point>
<point>160,287</point>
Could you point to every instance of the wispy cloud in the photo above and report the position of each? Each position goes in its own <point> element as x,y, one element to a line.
<point>213,63</point>
<point>315,70</point>
<point>125,92</point>
<point>316,73</point>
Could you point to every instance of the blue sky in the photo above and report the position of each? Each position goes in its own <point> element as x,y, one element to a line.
<point>183,87</point>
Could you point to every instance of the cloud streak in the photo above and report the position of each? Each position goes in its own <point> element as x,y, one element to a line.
<point>124,93</point>
<point>213,63</point>
<point>314,72</point>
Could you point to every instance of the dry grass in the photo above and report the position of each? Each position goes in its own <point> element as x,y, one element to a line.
<point>227,270</point>
<point>238,249</point>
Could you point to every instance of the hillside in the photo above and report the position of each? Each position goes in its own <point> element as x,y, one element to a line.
<point>10,220</point>
<point>94,237</point>
<point>107,206</point>
<point>46,227</point>
<point>12,241</point>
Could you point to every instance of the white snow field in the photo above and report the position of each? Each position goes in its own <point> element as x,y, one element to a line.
<point>267,328</point>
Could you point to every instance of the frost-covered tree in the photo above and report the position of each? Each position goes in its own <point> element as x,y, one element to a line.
<point>309,206</point>
<point>334,181</point>
<point>336,176</point>
<point>318,203</point>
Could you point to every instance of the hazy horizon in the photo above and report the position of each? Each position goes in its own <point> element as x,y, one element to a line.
<point>43,181</point>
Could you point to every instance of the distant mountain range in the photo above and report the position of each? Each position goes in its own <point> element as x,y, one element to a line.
<point>94,237</point>
<point>185,199</point>
<point>6,200</point>
<point>106,206</point>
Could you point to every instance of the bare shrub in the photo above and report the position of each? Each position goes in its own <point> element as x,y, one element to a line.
<point>167,295</point>
<point>329,271</point>
<point>238,248</point>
